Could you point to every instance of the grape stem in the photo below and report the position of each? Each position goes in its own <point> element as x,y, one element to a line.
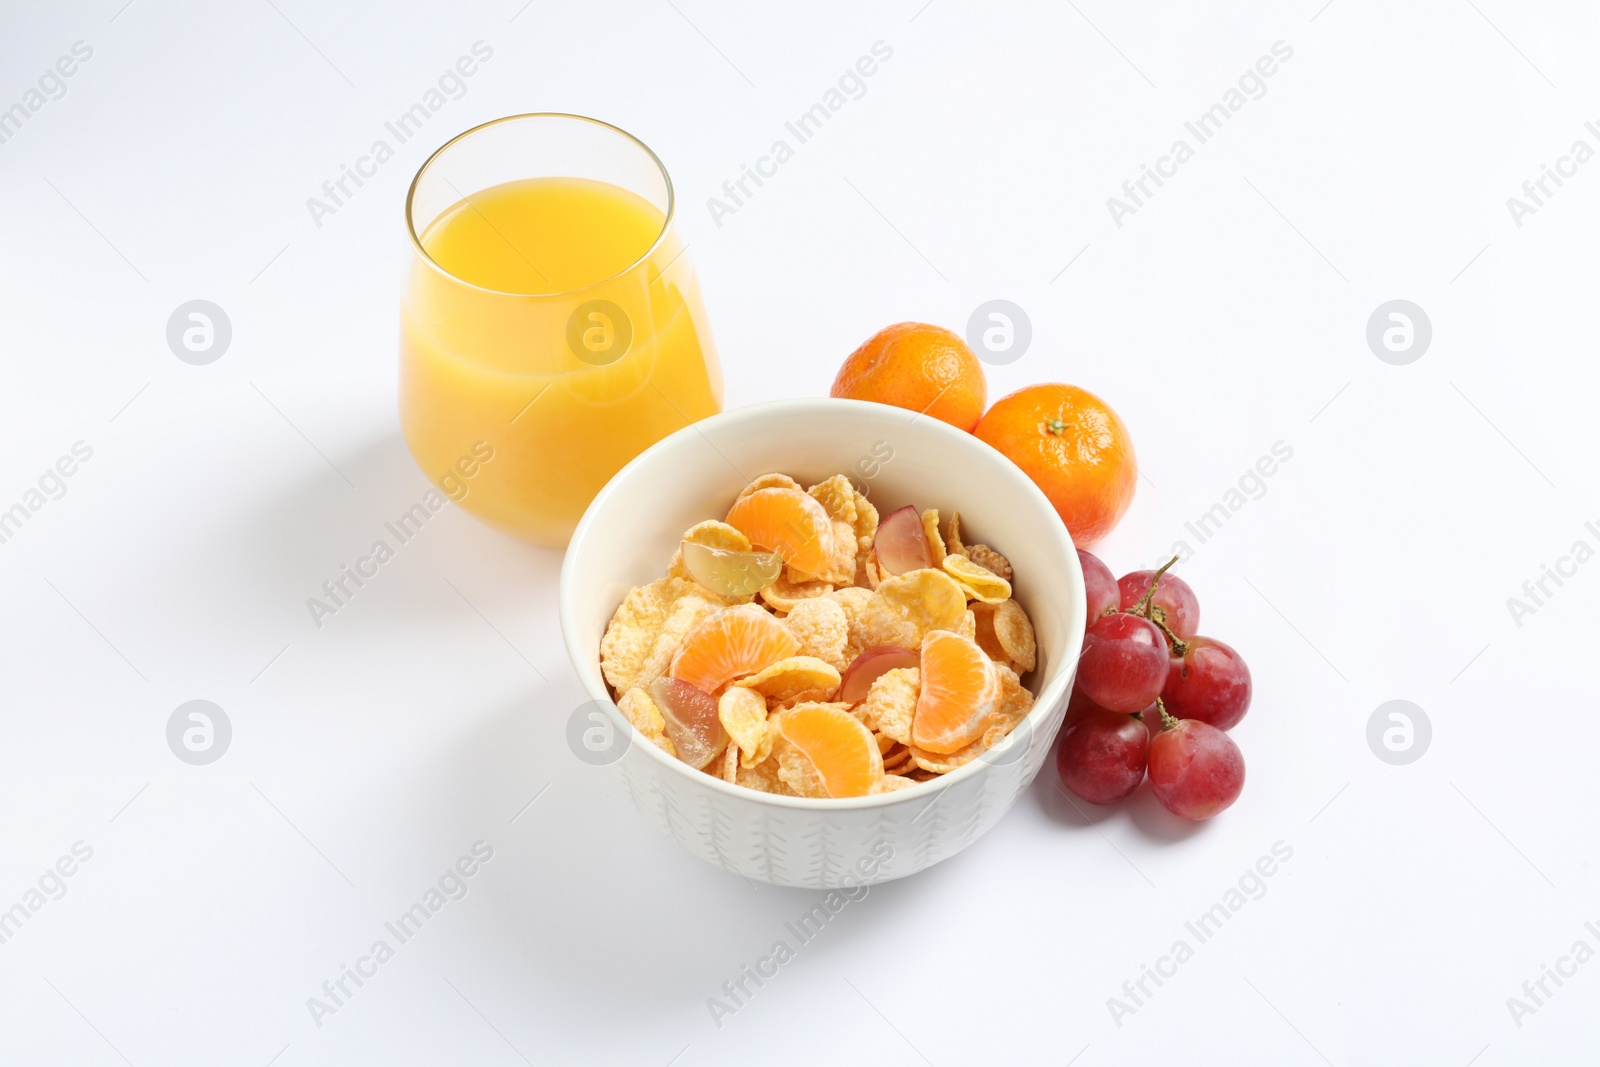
<point>1143,606</point>
<point>1180,647</point>
<point>1146,609</point>
<point>1167,721</point>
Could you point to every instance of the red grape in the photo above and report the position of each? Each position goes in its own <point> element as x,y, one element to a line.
<point>901,543</point>
<point>1209,682</point>
<point>1179,606</point>
<point>1195,769</point>
<point>1124,663</point>
<point>1102,756</point>
<point>866,668</point>
<point>1099,586</point>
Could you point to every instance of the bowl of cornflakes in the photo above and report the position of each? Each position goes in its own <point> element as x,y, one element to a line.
<point>825,642</point>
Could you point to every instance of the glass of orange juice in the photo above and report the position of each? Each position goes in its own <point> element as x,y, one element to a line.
<point>552,327</point>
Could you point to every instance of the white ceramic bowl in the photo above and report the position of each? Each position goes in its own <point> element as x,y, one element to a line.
<point>628,536</point>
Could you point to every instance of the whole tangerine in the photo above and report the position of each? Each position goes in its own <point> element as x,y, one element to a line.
<point>921,368</point>
<point>1074,447</point>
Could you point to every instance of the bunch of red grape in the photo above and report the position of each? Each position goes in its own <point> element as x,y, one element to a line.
<point>1151,694</point>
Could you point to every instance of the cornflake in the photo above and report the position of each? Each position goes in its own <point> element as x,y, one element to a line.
<point>786,733</point>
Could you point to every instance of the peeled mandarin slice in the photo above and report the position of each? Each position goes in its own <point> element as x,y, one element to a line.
<point>958,695</point>
<point>730,644</point>
<point>844,752</point>
<point>729,573</point>
<point>788,522</point>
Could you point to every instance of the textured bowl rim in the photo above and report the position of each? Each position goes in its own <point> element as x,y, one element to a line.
<point>768,412</point>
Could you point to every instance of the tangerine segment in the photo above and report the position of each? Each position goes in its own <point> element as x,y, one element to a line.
<point>788,522</point>
<point>959,692</point>
<point>843,752</point>
<point>729,644</point>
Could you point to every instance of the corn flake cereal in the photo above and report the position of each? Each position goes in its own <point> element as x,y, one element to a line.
<point>930,527</point>
<point>640,710</point>
<point>838,498</point>
<point>783,594</point>
<point>789,678</point>
<point>768,481</point>
<point>743,713</point>
<point>977,582</point>
<point>907,606</point>
<point>1013,631</point>
<point>646,629</point>
<point>866,522</point>
<point>952,536</point>
<point>892,703</point>
<point>820,626</point>
<point>832,617</point>
<point>990,560</point>
<point>796,771</point>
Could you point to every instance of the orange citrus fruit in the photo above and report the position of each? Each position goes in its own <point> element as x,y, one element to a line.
<point>843,751</point>
<point>958,693</point>
<point>922,368</point>
<point>1074,447</point>
<point>788,522</point>
<point>730,644</point>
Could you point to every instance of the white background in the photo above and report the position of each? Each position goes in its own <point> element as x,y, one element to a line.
<point>1229,313</point>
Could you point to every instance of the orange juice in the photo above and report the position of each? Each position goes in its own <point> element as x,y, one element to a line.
<point>554,325</point>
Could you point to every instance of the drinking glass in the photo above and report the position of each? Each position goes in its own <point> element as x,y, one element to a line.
<point>552,326</point>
